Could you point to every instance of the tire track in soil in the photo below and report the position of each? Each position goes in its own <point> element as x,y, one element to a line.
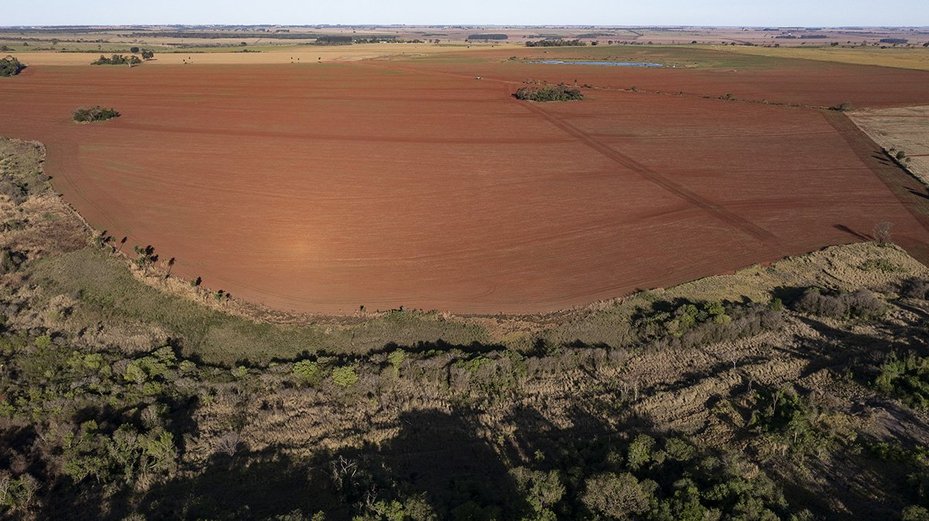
<point>731,218</point>
<point>907,189</point>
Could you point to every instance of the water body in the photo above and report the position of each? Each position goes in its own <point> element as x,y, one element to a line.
<point>599,63</point>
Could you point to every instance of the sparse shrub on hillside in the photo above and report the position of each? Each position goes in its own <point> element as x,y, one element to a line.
<point>10,66</point>
<point>559,92</point>
<point>861,304</point>
<point>98,113</point>
<point>881,265</point>
<point>689,324</point>
<point>882,233</point>
<point>915,288</point>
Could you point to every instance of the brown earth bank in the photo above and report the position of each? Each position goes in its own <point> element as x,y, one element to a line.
<point>325,187</point>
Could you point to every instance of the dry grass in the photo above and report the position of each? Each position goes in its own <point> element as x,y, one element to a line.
<point>902,129</point>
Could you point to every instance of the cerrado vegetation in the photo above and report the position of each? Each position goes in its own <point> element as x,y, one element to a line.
<point>560,92</point>
<point>118,59</point>
<point>92,114</point>
<point>10,66</point>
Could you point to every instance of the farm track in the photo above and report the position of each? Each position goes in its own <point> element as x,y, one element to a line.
<point>744,225</point>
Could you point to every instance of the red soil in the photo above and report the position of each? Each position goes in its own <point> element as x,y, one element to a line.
<point>324,187</point>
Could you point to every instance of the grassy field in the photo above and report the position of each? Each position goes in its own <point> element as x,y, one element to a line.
<point>917,59</point>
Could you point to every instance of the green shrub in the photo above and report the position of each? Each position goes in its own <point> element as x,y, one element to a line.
<point>10,66</point>
<point>396,358</point>
<point>345,376</point>
<point>98,113</point>
<point>306,371</point>
<point>640,451</point>
<point>906,379</point>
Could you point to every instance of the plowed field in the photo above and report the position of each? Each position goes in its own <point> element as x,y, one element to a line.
<point>322,187</point>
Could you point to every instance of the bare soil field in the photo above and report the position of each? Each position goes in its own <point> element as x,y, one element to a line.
<point>404,182</point>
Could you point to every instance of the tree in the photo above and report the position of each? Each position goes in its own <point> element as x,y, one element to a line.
<point>882,233</point>
<point>148,54</point>
<point>134,50</point>
<point>615,496</point>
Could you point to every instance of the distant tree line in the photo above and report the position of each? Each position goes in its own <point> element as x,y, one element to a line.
<point>488,36</point>
<point>334,40</point>
<point>555,43</point>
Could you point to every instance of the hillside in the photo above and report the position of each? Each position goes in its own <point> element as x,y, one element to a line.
<point>797,390</point>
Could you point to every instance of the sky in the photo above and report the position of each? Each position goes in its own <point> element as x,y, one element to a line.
<point>818,13</point>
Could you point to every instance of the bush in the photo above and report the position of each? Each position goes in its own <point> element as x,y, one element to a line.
<point>117,59</point>
<point>98,113</point>
<point>10,66</point>
<point>345,376</point>
<point>915,288</point>
<point>559,92</point>
<point>906,379</point>
<point>861,304</point>
<point>306,371</point>
<point>687,324</point>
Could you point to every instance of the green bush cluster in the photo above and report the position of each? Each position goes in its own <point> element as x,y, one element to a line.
<point>92,114</point>
<point>688,324</point>
<point>905,378</point>
<point>10,66</point>
<point>117,59</point>
<point>559,92</point>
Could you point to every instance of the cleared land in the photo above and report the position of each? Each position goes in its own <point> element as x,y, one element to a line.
<point>904,129</point>
<point>407,182</point>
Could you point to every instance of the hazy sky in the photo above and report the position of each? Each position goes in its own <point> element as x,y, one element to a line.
<point>579,12</point>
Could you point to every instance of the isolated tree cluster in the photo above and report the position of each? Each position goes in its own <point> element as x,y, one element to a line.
<point>92,114</point>
<point>117,59</point>
<point>10,66</point>
<point>549,93</point>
